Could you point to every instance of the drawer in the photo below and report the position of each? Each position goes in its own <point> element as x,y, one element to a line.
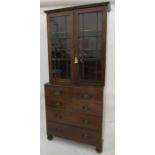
<point>87,94</point>
<point>58,92</point>
<point>90,108</point>
<point>74,118</point>
<point>74,133</point>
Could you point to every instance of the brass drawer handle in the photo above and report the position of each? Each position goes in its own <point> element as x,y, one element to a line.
<point>58,116</point>
<point>57,93</point>
<point>85,136</point>
<point>86,96</point>
<point>57,103</point>
<point>85,121</point>
<point>85,107</point>
<point>58,130</point>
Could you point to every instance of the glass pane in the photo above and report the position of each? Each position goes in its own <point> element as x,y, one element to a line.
<point>62,69</point>
<point>61,42</point>
<point>90,24</point>
<point>61,48</point>
<point>60,25</point>
<point>90,45</point>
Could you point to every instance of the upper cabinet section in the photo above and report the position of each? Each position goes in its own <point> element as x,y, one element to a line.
<point>77,44</point>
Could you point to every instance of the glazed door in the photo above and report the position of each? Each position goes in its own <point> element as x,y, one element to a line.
<point>60,36</point>
<point>91,28</point>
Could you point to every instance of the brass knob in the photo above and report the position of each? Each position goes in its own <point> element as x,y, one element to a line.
<point>57,103</point>
<point>85,121</point>
<point>85,107</point>
<point>86,136</point>
<point>58,116</point>
<point>57,93</point>
<point>86,96</point>
<point>58,130</point>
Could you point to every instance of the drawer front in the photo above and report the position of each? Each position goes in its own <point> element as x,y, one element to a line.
<point>74,118</point>
<point>91,94</point>
<point>88,108</point>
<point>74,105</point>
<point>58,93</point>
<point>74,133</point>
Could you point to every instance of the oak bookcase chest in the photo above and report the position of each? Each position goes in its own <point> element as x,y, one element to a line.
<point>77,57</point>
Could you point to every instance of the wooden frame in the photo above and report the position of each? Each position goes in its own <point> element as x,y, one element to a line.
<point>73,13</point>
<point>106,4</point>
<point>103,9</point>
<point>57,80</point>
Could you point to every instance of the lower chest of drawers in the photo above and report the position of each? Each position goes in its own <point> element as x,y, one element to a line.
<point>74,112</point>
